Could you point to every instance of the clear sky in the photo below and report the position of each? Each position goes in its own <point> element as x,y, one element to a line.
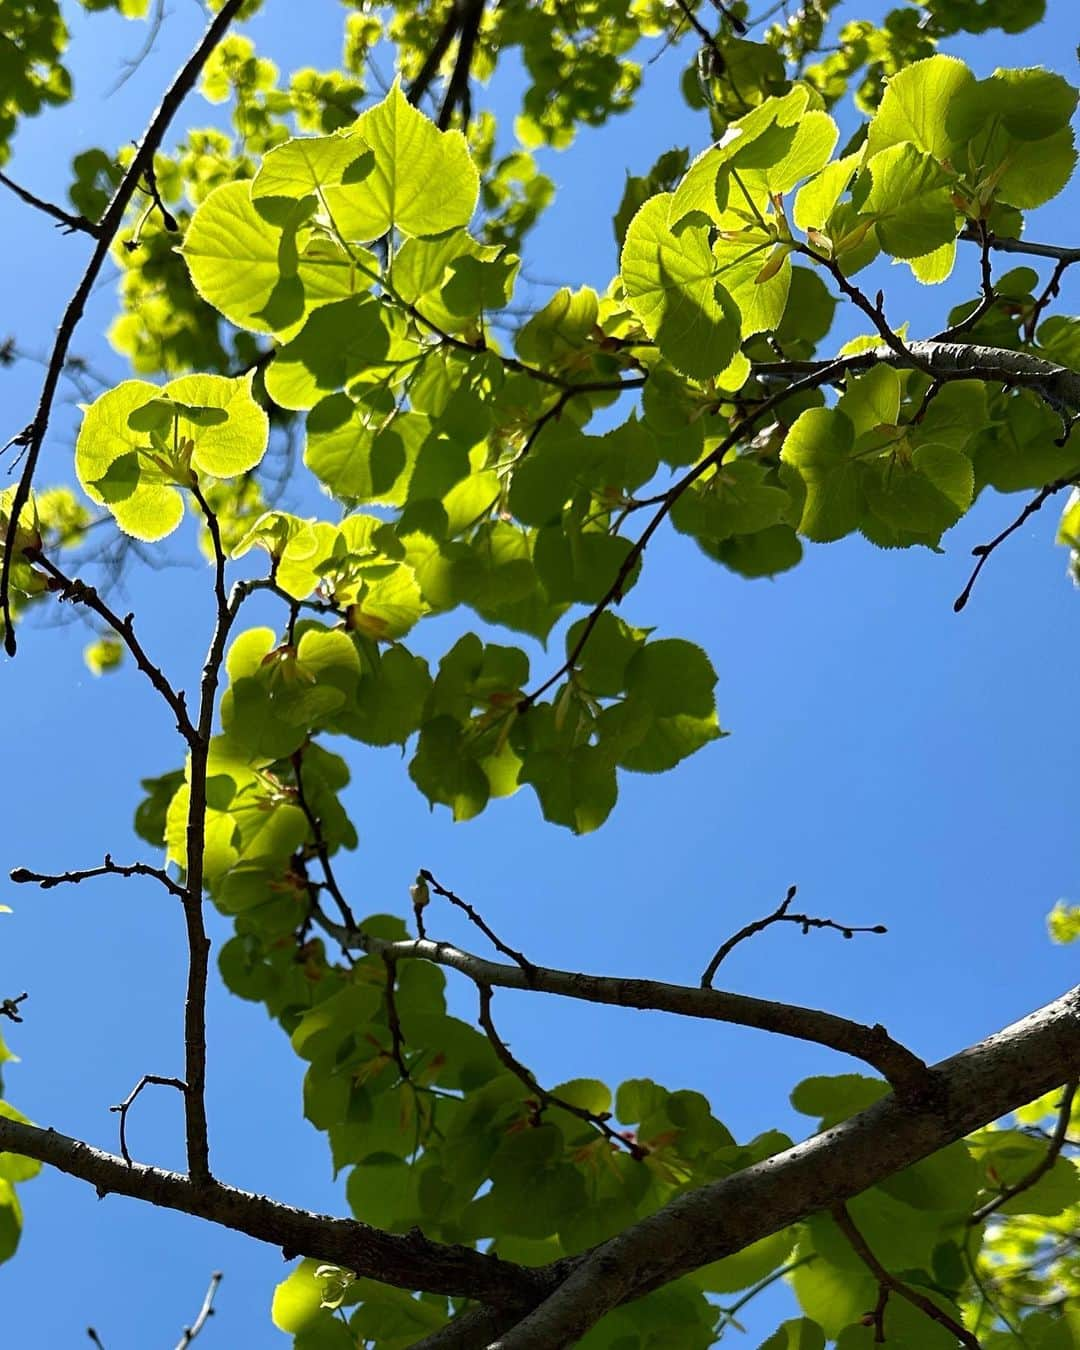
<point>902,764</point>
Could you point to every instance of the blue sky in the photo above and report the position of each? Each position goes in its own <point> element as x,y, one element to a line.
<point>902,764</point>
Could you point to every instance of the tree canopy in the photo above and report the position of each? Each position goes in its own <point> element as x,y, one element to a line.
<point>338,372</point>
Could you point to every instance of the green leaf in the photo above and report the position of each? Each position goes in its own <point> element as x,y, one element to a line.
<point>10,1219</point>
<point>561,328</point>
<point>671,284</point>
<point>797,1334</point>
<point>262,266</point>
<point>819,446</point>
<point>747,1267</point>
<point>761,303</point>
<point>816,200</point>
<point>917,104</point>
<point>1030,104</point>
<point>906,1327</point>
<point>832,1296</point>
<point>298,1299</point>
<point>103,655</point>
<point>422,180</point>
<point>835,1097</point>
<point>338,343</point>
<point>576,788</point>
<point>308,163</point>
<point>107,462</point>
<point>910,201</point>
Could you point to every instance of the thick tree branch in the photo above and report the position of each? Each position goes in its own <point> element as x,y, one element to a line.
<point>433,60</point>
<point>408,1262</point>
<point>953,361</point>
<point>1001,244</point>
<point>873,1045</point>
<point>976,1086</point>
<point>107,230</point>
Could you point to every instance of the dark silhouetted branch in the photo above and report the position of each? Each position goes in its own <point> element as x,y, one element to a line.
<point>107,230</point>
<point>983,551</point>
<point>873,1045</point>
<point>1057,1142</point>
<point>888,1283</point>
<point>22,876</point>
<point>72,224</point>
<point>122,1108</point>
<point>781,914</point>
<point>544,1098</point>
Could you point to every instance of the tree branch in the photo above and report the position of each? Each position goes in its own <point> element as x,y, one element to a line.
<point>457,90</point>
<point>1001,244</point>
<point>205,1313</point>
<point>983,551</point>
<point>873,1045</point>
<point>22,876</point>
<point>1057,1142</point>
<point>543,1097</point>
<point>474,918</point>
<point>433,60</point>
<point>888,1283</point>
<point>977,1086</point>
<point>72,224</point>
<point>71,588</point>
<point>945,361</point>
<point>107,228</point>
<point>780,915</point>
<point>408,1262</point>
<point>122,1108</point>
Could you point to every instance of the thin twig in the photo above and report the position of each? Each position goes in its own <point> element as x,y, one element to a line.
<point>888,1283</point>
<point>22,876</point>
<point>95,1338</point>
<point>467,909</point>
<point>598,1120</point>
<point>205,1313</point>
<point>9,1007</point>
<point>107,230</point>
<point>1053,1151</point>
<point>322,849</point>
<point>781,915</point>
<point>147,1080</point>
<point>983,551</point>
<point>989,295</point>
<point>72,224</point>
<point>1051,292</point>
<point>397,1038</point>
<point>79,593</point>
